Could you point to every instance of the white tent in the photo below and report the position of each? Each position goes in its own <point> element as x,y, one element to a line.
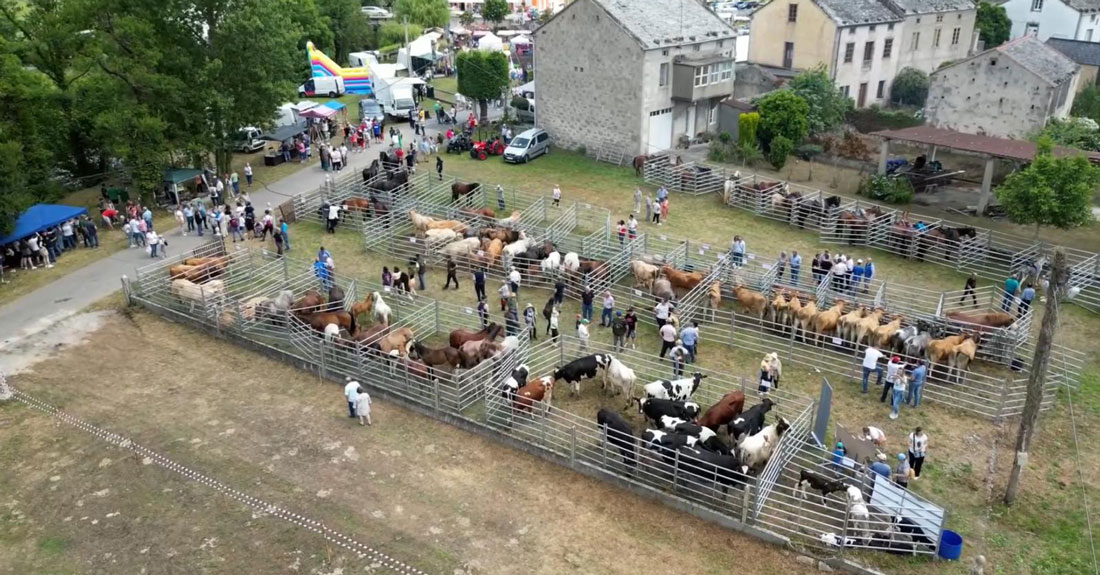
<point>433,36</point>
<point>490,43</point>
<point>421,47</point>
<point>521,39</point>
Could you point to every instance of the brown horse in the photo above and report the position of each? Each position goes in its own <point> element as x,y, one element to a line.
<point>461,336</point>
<point>321,319</point>
<point>361,205</point>
<point>479,212</point>
<point>433,356</point>
<point>462,190</point>
<point>639,164</point>
<point>311,301</point>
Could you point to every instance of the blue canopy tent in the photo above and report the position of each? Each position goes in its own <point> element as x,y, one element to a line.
<point>41,217</point>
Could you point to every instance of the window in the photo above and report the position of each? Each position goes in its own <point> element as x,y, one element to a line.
<point>712,114</point>
<point>702,75</point>
<point>889,26</point>
<point>915,43</point>
<point>868,52</point>
<point>727,71</point>
<point>887,48</point>
<point>792,12</point>
<point>955,36</point>
<point>696,47</point>
<point>844,90</point>
<point>849,52</point>
<point>881,89</point>
<point>721,43</point>
<point>663,79</point>
<point>1088,35</point>
<point>939,18</point>
<point>1032,29</point>
<point>872,28</point>
<point>713,73</point>
<point>851,31</point>
<point>1036,5</point>
<point>936,38</point>
<point>664,52</point>
<point>788,55</point>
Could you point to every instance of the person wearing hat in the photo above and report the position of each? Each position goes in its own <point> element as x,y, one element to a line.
<point>903,471</point>
<point>618,331</point>
<point>678,354</point>
<point>586,302</point>
<point>513,280</point>
<point>857,275</point>
<point>892,370</point>
<point>582,336</point>
<point>868,274</point>
<point>608,307</point>
<point>880,466</point>
<point>529,319</point>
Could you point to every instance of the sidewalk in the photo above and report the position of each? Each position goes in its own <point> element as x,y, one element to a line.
<point>83,287</point>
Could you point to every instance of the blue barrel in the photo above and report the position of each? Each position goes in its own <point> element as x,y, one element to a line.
<point>951,545</point>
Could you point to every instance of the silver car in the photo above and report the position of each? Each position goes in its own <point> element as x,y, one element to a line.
<point>527,146</point>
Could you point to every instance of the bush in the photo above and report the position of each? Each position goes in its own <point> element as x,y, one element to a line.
<point>746,127</point>
<point>780,149</point>
<point>887,189</point>
<point>749,153</point>
<point>809,151</point>
<point>521,103</point>
<point>725,137</point>
<point>874,118</point>
<point>910,87</point>
<point>719,151</point>
<point>582,150</point>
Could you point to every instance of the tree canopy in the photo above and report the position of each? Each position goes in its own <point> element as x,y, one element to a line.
<point>1087,104</point>
<point>426,13</point>
<point>828,105</point>
<point>494,10</point>
<point>993,24</point>
<point>1080,133</point>
<point>482,75</point>
<point>910,87</point>
<point>783,113</point>
<point>1052,191</point>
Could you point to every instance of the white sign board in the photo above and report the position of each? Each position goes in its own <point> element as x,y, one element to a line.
<point>386,289</point>
<point>638,292</point>
<point>468,310</point>
<point>412,240</point>
<point>751,256</point>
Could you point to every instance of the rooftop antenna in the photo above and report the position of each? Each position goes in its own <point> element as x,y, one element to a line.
<point>681,18</point>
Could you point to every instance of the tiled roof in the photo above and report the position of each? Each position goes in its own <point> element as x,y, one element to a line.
<point>1039,58</point>
<point>932,6</point>
<point>1084,53</point>
<point>659,23</point>
<point>1084,5</point>
<point>998,147</point>
<point>851,12</point>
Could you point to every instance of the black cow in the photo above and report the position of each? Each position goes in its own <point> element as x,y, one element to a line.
<point>819,483</point>
<point>655,409</point>
<point>750,422</point>
<point>619,434</point>
<point>581,368</point>
<point>726,470</point>
<point>515,381</point>
<point>666,442</point>
<point>708,439</point>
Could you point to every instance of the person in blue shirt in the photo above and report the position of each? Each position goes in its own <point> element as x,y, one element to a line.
<point>857,275</point>
<point>868,274</point>
<point>880,466</point>
<point>662,193</point>
<point>323,255</point>
<point>284,230</point>
<point>323,274</point>
<point>1012,285</point>
<point>689,338</point>
<point>1026,297</point>
<point>479,283</point>
<point>796,267</point>
<point>916,385</point>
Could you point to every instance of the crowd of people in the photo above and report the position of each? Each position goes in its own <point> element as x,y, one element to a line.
<point>43,248</point>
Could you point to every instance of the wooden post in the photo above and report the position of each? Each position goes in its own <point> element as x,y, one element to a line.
<point>1037,375</point>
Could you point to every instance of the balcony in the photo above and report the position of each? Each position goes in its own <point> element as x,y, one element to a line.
<point>703,79</point>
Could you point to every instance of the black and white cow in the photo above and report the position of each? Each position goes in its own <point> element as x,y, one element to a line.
<point>708,439</point>
<point>676,390</point>
<point>709,466</point>
<point>656,438</point>
<point>750,422</point>
<point>515,381</point>
<point>619,434</point>
<point>654,409</point>
<point>823,485</point>
<point>582,368</point>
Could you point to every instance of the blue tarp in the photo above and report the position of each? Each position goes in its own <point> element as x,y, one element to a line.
<point>334,104</point>
<point>40,217</point>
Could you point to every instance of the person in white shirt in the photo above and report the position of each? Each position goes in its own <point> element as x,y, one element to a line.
<point>874,435</point>
<point>918,446</point>
<point>582,336</point>
<point>333,218</point>
<point>337,159</point>
<point>556,196</point>
<point>248,173</point>
<point>153,240</point>
<point>668,338</point>
<point>351,392</point>
<point>661,311</point>
<point>870,363</point>
<point>893,371</point>
<point>362,406</point>
<point>513,281</point>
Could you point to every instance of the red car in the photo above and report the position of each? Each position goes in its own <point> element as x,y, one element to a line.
<point>482,150</point>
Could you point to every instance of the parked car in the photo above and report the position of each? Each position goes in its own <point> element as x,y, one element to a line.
<point>376,13</point>
<point>249,140</point>
<point>527,146</point>
<point>372,109</point>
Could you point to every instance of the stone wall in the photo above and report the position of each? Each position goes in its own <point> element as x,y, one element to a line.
<point>589,74</point>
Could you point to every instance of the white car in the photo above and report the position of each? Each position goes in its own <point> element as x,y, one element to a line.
<point>376,13</point>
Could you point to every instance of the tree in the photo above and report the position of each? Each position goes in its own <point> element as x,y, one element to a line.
<point>494,11</point>
<point>482,76</point>
<point>1087,103</point>
<point>392,33</point>
<point>1080,133</point>
<point>426,13</point>
<point>781,148</point>
<point>466,18</point>
<point>351,28</point>
<point>545,16</point>
<point>1037,374</point>
<point>782,113</point>
<point>910,87</point>
<point>993,24</point>
<point>828,105</point>
<point>747,125</point>
<point>1052,191</point>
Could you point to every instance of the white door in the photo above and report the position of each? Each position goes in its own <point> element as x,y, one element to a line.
<point>660,131</point>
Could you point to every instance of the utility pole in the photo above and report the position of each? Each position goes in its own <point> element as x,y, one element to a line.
<point>1037,375</point>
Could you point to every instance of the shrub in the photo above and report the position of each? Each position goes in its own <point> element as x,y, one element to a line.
<point>910,87</point>
<point>809,151</point>
<point>874,118</point>
<point>725,137</point>
<point>521,103</point>
<point>749,153</point>
<point>746,127</point>
<point>718,151</point>
<point>887,189</point>
<point>852,146</point>
<point>780,149</point>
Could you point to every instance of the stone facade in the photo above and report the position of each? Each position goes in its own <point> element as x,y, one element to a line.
<point>588,72</point>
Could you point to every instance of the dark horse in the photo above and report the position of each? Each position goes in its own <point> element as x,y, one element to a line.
<point>461,190</point>
<point>372,171</point>
<point>393,181</point>
<point>944,237</point>
<point>816,208</point>
<point>639,164</point>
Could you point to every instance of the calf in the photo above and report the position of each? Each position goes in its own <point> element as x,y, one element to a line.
<point>707,437</point>
<point>582,368</point>
<point>542,389</point>
<point>858,514</point>
<point>515,381</point>
<point>618,434</point>
<point>676,390</point>
<point>654,409</point>
<point>723,412</point>
<point>750,422</point>
<point>726,470</point>
<point>819,483</point>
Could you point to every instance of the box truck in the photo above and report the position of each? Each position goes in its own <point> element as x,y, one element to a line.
<point>396,95</point>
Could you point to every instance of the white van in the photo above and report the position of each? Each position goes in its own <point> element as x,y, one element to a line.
<point>330,86</point>
<point>249,140</point>
<point>527,146</point>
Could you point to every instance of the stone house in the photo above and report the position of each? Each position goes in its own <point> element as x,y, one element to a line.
<point>862,43</point>
<point>635,74</point>
<point>1074,19</point>
<point>1086,54</point>
<point>1010,91</point>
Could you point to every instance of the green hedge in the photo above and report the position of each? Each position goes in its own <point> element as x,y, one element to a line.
<point>874,118</point>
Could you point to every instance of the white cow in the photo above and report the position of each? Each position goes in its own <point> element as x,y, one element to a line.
<point>572,262</point>
<point>621,376</point>
<point>461,247</point>
<point>755,450</point>
<point>676,390</point>
<point>440,237</point>
<point>858,512</point>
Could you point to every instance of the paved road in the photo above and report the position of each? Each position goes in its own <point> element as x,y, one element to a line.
<point>80,288</point>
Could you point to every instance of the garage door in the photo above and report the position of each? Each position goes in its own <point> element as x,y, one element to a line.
<point>660,130</point>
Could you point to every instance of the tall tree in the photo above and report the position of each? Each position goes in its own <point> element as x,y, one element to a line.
<point>1087,103</point>
<point>426,13</point>
<point>782,113</point>
<point>350,27</point>
<point>910,87</point>
<point>993,24</point>
<point>1052,191</point>
<point>494,11</point>
<point>482,75</point>
<point>828,105</point>
<point>1037,375</point>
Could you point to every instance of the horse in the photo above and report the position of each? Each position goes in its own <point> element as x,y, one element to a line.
<point>461,336</point>
<point>336,297</point>
<point>485,212</point>
<point>433,356</point>
<point>371,171</point>
<point>816,207</point>
<point>311,301</point>
<point>853,226</point>
<point>947,238</point>
<point>462,190</point>
<point>397,342</point>
<point>358,205</point>
<point>991,319</point>
<point>392,182</point>
<point>639,164</point>
<point>319,320</point>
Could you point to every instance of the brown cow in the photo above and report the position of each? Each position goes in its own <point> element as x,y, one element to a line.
<point>826,321</point>
<point>804,318</point>
<point>884,334</point>
<point>778,308</point>
<point>751,302</point>
<point>496,246</point>
<point>867,326</point>
<point>964,356</point>
<point>942,351</point>
<point>541,389</point>
<point>849,322</point>
<point>985,319</point>
<point>682,280</point>
<point>723,412</point>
